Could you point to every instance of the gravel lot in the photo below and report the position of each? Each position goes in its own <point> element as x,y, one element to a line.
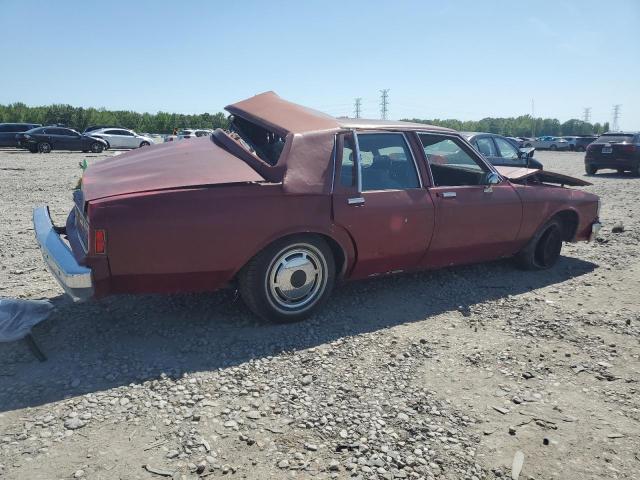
<point>445,374</point>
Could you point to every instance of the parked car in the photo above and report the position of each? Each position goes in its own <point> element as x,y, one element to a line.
<point>121,138</point>
<point>291,200</point>
<point>193,133</point>
<point>616,150</point>
<point>8,132</point>
<point>501,150</point>
<point>580,143</point>
<point>45,139</point>
<point>548,143</point>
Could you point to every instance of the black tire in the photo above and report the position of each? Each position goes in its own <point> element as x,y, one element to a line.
<point>33,149</point>
<point>85,151</point>
<point>591,169</point>
<point>553,147</point>
<point>44,147</point>
<point>543,250</point>
<point>144,144</point>
<point>635,171</point>
<point>260,285</point>
<point>97,147</point>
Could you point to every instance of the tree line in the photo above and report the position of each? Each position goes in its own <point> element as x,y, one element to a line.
<point>164,122</point>
<point>522,126</point>
<point>79,118</point>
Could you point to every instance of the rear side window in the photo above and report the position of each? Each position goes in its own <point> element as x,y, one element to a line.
<point>387,162</point>
<point>486,147</point>
<point>507,150</point>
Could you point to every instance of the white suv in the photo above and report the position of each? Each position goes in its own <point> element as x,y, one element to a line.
<point>122,138</point>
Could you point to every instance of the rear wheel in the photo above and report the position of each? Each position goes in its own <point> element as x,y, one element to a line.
<point>97,147</point>
<point>288,280</point>
<point>44,147</point>
<point>543,250</point>
<point>591,169</point>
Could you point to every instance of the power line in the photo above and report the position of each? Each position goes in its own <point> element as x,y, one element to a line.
<point>616,115</point>
<point>384,103</point>
<point>586,114</point>
<point>357,107</point>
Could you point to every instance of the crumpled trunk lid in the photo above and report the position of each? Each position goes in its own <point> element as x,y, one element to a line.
<point>185,163</point>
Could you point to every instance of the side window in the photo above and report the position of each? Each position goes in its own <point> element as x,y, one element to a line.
<point>4,128</point>
<point>450,164</point>
<point>507,150</point>
<point>387,163</point>
<point>111,132</point>
<point>125,133</point>
<point>486,147</point>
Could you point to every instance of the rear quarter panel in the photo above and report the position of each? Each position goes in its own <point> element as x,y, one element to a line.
<point>198,239</point>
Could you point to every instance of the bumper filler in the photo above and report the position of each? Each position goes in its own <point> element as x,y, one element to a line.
<point>74,278</point>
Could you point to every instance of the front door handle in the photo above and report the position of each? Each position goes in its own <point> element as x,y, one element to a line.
<point>447,194</point>
<point>355,201</point>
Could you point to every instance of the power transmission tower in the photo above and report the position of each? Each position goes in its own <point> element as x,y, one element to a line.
<point>384,103</point>
<point>357,107</point>
<point>586,116</point>
<point>616,115</point>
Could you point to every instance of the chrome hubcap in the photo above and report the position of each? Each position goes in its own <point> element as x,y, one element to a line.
<point>296,277</point>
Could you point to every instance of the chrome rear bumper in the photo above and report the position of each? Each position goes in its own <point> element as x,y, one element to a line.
<point>74,278</point>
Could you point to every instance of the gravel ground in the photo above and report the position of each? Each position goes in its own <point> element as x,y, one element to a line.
<point>459,373</point>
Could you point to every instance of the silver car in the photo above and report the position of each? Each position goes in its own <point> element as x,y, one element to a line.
<point>122,138</point>
<point>548,143</point>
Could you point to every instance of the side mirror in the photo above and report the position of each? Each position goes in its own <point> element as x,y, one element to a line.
<point>492,178</point>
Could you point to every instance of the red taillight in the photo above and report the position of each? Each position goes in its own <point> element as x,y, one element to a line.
<point>100,241</point>
<point>627,148</point>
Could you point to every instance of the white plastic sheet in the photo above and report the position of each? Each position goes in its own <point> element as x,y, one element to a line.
<point>17,317</point>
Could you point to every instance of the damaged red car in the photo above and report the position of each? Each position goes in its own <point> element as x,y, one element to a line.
<point>289,201</point>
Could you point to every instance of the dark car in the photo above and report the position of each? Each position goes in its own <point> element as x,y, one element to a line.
<point>501,150</point>
<point>580,144</point>
<point>8,132</point>
<point>617,150</point>
<point>45,139</point>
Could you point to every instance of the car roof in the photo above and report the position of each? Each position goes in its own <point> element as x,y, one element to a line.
<point>621,133</point>
<point>286,117</point>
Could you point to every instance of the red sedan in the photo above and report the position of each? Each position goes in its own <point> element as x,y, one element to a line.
<point>289,200</point>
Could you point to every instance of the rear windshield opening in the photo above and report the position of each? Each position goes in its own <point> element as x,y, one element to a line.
<point>266,144</point>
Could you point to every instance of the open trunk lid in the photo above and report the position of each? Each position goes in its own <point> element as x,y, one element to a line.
<point>520,173</point>
<point>197,162</point>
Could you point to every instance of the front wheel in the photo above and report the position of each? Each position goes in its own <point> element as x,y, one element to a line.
<point>97,147</point>
<point>288,280</point>
<point>44,147</point>
<point>553,147</point>
<point>144,144</point>
<point>543,250</point>
<point>590,169</point>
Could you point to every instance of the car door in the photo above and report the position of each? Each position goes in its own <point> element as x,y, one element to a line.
<point>380,200</point>
<point>474,221</point>
<point>128,139</point>
<point>114,138</point>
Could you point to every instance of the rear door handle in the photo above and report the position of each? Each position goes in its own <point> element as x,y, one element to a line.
<point>447,194</point>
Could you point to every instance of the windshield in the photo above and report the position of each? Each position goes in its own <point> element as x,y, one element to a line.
<point>615,138</point>
<point>265,144</point>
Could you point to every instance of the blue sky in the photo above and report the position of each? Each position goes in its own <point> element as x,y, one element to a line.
<point>463,59</point>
